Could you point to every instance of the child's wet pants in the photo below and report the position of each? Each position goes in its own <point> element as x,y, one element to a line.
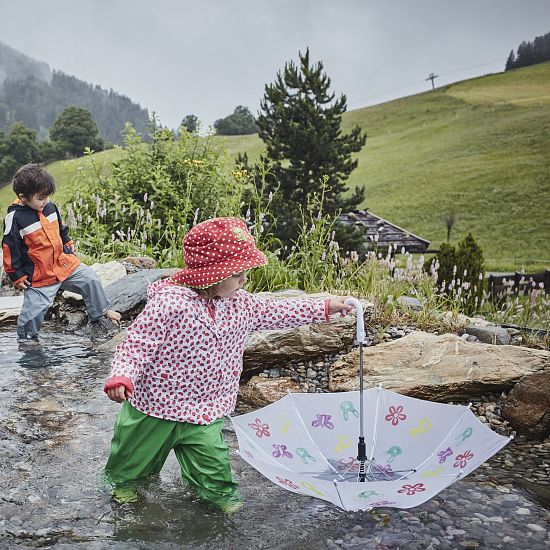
<point>37,300</point>
<point>141,445</point>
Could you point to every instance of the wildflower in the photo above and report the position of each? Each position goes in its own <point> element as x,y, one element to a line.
<point>145,197</point>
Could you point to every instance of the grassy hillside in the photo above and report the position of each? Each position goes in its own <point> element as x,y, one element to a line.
<point>479,147</point>
<point>64,172</point>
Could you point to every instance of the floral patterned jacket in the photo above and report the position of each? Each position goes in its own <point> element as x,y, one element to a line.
<point>183,356</point>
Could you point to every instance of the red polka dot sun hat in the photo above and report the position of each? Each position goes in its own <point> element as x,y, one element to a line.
<point>215,250</point>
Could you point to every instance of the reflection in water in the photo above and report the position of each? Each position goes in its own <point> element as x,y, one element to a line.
<point>33,355</point>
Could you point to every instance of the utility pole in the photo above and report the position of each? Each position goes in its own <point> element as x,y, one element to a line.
<point>432,77</point>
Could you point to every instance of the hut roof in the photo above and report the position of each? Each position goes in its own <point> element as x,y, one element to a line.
<point>388,233</point>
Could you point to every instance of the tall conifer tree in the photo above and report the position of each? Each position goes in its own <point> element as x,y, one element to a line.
<point>300,123</point>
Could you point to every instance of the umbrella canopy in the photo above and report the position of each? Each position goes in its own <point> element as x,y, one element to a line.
<point>307,443</point>
<point>408,449</point>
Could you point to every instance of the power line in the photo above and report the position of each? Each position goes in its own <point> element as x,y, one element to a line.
<point>421,81</point>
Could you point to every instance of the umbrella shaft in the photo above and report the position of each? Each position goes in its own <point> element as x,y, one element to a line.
<point>361,430</point>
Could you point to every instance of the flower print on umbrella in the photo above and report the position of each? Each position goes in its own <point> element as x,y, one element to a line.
<point>305,457</point>
<point>393,452</point>
<point>443,455</point>
<point>261,429</point>
<point>281,451</point>
<point>347,408</point>
<point>464,436</point>
<point>395,414</point>
<point>462,460</point>
<point>323,421</point>
<point>412,489</point>
<point>288,483</point>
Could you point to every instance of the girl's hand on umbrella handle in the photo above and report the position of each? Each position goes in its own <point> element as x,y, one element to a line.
<point>119,393</point>
<point>338,305</point>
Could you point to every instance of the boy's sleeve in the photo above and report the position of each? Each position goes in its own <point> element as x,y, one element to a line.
<point>13,249</point>
<point>144,337</point>
<point>63,229</point>
<point>280,314</point>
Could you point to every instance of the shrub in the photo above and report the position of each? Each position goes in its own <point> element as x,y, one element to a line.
<point>156,191</point>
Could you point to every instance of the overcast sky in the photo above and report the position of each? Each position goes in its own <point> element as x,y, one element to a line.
<point>205,57</point>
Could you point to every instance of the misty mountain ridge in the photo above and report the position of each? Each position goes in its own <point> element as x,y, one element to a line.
<point>31,93</point>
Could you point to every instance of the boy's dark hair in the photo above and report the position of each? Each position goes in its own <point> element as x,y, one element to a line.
<point>32,179</point>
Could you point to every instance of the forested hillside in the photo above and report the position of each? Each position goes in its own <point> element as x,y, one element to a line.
<point>32,94</point>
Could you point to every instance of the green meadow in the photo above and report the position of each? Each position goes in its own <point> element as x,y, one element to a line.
<point>479,148</point>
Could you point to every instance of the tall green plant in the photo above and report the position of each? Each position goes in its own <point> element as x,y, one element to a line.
<point>154,193</point>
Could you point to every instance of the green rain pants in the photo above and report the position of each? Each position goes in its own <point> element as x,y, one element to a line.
<point>141,445</point>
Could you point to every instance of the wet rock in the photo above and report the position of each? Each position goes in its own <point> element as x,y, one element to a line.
<point>409,302</point>
<point>259,391</point>
<point>436,367</point>
<point>270,347</point>
<point>528,405</point>
<point>141,262</point>
<point>489,334</point>
<point>10,307</point>
<point>129,294</point>
<point>108,274</point>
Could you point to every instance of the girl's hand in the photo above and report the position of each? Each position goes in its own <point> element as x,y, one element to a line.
<point>337,305</point>
<point>119,393</point>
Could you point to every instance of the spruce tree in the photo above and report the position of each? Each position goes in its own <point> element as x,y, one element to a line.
<point>511,61</point>
<point>300,124</point>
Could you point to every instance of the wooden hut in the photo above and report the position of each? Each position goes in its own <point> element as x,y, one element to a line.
<point>387,232</point>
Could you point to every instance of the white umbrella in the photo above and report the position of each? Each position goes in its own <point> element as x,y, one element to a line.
<point>364,449</point>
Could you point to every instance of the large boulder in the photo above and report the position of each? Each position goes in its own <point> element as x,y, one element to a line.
<point>108,274</point>
<point>129,294</point>
<point>273,347</point>
<point>259,391</point>
<point>438,368</point>
<point>10,307</point>
<point>528,405</point>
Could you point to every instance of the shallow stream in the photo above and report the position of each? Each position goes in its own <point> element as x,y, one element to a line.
<point>55,430</point>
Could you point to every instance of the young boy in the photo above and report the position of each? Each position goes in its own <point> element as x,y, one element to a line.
<point>39,255</point>
<point>177,373</point>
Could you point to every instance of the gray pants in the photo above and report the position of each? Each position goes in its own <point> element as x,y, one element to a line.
<point>36,301</point>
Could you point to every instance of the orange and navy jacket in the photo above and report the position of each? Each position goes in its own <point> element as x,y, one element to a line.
<point>36,245</point>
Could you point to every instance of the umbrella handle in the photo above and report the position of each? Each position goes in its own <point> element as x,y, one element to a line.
<point>360,337</point>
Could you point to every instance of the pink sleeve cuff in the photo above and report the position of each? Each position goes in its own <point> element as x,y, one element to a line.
<point>327,302</point>
<point>117,381</point>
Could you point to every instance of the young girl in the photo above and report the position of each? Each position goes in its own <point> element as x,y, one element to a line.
<point>177,373</point>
